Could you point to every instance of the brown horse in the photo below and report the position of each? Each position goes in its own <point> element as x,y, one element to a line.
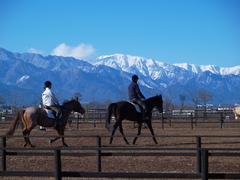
<point>236,112</point>
<point>33,116</point>
<point>125,110</point>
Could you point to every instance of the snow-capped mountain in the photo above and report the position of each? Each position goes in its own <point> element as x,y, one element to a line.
<point>212,68</point>
<point>162,73</point>
<point>109,76</point>
<point>148,66</point>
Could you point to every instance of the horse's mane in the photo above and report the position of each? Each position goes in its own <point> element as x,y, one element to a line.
<point>149,99</point>
<point>65,102</point>
<point>154,97</point>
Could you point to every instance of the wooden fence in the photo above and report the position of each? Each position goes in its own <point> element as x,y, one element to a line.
<point>222,119</point>
<point>201,154</point>
<point>95,118</point>
<point>192,119</point>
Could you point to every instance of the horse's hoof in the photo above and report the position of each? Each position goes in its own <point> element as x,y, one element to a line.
<point>65,145</point>
<point>50,141</point>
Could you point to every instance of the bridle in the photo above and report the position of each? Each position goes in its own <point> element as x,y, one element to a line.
<point>149,102</point>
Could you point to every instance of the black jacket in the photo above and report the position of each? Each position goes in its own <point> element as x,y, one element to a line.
<point>134,91</point>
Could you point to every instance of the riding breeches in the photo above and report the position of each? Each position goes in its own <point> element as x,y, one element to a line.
<point>54,108</point>
<point>139,102</point>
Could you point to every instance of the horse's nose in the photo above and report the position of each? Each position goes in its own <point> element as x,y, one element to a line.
<point>83,111</point>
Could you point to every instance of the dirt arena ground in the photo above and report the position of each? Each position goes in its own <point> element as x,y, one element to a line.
<point>180,164</point>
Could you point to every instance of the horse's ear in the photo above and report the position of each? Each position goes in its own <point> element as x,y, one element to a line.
<point>75,98</point>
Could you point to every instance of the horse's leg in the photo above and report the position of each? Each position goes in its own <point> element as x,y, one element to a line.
<point>149,123</point>
<point>139,125</point>
<point>121,131</point>
<point>26,132</point>
<point>114,129</point>
<point>56,138</point>
<point>52,140</point>
<point>60,132</point>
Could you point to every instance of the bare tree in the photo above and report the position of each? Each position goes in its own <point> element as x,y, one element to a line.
<point>107,102</point>
<point>193,95</point>
<point>204,97</point>
<point>182,98</point>
<point>37,100</point>
<point>78,95</point>
<point>93,105</point>
<point>168,100</point>
<point>13,97</point>
<point>2,101</point>
<point>167,104</point>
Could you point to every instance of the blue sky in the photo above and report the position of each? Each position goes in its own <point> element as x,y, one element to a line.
<point>199,32</point>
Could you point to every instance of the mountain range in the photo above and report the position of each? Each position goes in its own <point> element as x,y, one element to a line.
<point>107,78</point>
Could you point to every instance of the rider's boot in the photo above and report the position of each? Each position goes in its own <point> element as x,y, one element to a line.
<point>58,122</point>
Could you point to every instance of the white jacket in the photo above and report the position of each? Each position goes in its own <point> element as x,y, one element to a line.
<point>48,98</point>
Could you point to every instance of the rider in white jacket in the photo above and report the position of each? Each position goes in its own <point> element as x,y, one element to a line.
<point>50,101</point>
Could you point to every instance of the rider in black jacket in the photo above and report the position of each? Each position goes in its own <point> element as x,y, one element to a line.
<point>136,96</point>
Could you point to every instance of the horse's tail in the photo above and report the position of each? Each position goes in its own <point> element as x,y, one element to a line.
<point>110,111</point>
<point>14,123</point>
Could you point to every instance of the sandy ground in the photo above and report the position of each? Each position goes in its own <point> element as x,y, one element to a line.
<point>180,164</point>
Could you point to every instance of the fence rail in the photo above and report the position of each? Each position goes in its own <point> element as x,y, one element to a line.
<point>193,119</point>
<point>202,159</point>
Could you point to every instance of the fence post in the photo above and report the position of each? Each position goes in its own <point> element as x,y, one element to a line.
<point>191,121</point>
<point>78,121</point>
<point>58,166</point>
<point>204,164</point>
<point>221,120</point>
<point>170,119</point>
<point>196,116</point>
<point>199,158</point>
<point>99,168</point>
<point>4,165</point>
<point>162,121</point>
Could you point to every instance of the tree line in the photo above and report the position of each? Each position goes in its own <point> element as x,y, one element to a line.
<point>196,96</point>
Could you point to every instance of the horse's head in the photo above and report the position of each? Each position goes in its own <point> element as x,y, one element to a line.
<point>77,107</point>
<point>157,102</point>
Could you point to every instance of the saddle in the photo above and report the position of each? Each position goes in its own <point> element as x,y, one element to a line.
<point>137,106</point>
<point>50,112</point>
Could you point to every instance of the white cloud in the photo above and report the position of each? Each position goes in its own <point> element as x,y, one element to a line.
<point>81,51</point>
<point>32,50</point>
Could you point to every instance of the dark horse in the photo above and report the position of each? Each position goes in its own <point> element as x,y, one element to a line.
<point>33,116</point>
<point>125,110</point>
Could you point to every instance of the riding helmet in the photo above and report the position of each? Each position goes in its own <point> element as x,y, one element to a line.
<point>134,78</point>
<point>47,84</point>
